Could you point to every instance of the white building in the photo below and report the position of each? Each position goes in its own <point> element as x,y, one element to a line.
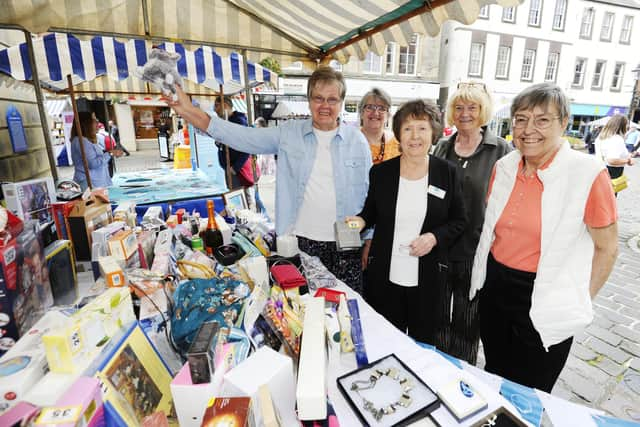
<point>587,47</point>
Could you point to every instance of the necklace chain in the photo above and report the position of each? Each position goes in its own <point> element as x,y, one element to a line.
<point>404,400</point>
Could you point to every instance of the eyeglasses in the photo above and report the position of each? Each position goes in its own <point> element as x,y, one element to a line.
<point>540,122</point>
<point>472,84</point>
<point>373,107</point>
<point>317,99</point>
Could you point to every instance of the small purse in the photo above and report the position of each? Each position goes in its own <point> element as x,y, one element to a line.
<point>619,183</point>
<point>287,276</point>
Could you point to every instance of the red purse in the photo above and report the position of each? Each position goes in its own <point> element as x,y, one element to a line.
<point>287,276</point>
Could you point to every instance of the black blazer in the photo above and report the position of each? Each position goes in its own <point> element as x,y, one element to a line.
<point>445,218</point>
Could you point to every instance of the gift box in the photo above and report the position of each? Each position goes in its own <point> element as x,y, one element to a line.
<point>111,271</point>
<point>62,272</point>
<point>123,244</point>
<point>60,211</point>
<point>30,199</point>
<point>25,363</point>
<point>81,405</point>
<point>85,217</point>
<point>221,410</point>
<point>190,400</point>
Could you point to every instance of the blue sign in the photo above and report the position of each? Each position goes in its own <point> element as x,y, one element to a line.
<point>16,130</point>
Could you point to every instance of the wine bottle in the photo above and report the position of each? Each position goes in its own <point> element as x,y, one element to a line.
<point>212,235</point>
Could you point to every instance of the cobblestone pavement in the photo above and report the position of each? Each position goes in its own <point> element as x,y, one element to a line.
<point>603,370</point>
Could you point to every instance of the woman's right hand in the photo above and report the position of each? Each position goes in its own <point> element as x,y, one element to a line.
<point>355,221</point>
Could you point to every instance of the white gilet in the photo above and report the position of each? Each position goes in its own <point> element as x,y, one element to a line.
<point>560,303</point>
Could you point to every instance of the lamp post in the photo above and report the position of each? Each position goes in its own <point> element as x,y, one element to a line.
<point>634,108</point>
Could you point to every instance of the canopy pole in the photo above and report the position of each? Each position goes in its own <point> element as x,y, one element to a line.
<point>227,155</point>
<point>76,119</point>
<point>41,112</point>
<point>247,88</point>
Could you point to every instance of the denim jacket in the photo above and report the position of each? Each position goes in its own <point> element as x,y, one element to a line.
<point>295,144</point>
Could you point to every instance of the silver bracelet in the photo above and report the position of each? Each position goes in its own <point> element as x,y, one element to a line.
<point>403,401</point>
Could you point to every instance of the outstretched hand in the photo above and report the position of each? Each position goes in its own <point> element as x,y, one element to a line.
<point>423,244</point>
<point>183,106</point>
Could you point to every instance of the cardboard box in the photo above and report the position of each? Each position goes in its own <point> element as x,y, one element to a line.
<point>111,271</point>
<point>190,400</point>
<point>123,244</point>
<point>25,363</point>
<point>30,199</point>
<point>85,217</point>
<point>102,235</point>
<point>60,211</point>
<point>81,405</point>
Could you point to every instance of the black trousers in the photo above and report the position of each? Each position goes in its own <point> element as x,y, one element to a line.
<point>512,346</point>
<point>400,306</point>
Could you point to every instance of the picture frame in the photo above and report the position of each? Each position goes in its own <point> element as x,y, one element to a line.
<point>235,200</point>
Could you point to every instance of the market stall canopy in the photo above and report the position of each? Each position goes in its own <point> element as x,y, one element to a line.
<point>58,55</point>
<point>288,30</point>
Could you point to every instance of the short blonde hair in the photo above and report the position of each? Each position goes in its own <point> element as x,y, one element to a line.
<point>471,92</point>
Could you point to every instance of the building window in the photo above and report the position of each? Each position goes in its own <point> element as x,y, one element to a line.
<point>509,14</point>
<point>578,75</point>
<point>407,62</point>
<point>484,12</point>
<point>559,15</point>
<point>528,62</point>
<point>372,64</point>
<point>587,23</point>
<point>390,55</point>
<point>625,32</point>
<point>475,59</point>
<point>616,81</point>
<point>502,66</point>
<point>336,65</point>
<point>598,74</point>
<point>607,27</point>
<point>535,9</point>
<point>551,71</point>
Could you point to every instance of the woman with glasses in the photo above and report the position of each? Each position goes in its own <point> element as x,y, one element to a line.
<point>374,115</point>
<point>322,168</point>
<point>611,148</point>
<point>415,204</point>
<point>548,244</point>
<point>474,150</point>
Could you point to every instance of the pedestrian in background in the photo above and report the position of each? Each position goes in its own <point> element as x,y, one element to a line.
<point>611,148</point>
<point>548,244</point>
<point>322,173</point>
<point>474,150</point>
<point>115,134</point>
<point>415,204</point>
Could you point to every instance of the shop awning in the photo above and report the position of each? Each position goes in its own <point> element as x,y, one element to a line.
<point>287,109</point>
<point>288,30</point>
<point>59,55</point>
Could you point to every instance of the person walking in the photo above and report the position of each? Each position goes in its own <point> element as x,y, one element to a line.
<point>611,148</point>
<point>115,134</point>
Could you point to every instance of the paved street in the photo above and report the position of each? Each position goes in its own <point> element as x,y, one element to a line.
<point>603,370</point>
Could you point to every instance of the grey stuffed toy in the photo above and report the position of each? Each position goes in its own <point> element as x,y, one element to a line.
<point>162,71</point>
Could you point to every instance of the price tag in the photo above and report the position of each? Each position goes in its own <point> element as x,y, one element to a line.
<point>60,415</point>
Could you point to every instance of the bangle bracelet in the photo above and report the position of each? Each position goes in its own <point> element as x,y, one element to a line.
<point>404,400</point>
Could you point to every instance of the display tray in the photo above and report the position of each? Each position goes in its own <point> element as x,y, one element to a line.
<point>387,393</point>
<point>163,185</point>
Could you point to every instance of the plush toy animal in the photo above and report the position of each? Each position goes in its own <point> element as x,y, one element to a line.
<point>162,71</point>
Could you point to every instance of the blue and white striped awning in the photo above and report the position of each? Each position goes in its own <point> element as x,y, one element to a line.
<point>58,55</point>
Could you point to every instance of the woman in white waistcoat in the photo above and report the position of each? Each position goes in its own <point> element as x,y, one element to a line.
<point>548,244</point>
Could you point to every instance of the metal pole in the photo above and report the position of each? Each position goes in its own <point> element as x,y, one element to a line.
<point>76,118</point>
<point>227,155</point>
<point>41,112</point>
<point>247,87</point>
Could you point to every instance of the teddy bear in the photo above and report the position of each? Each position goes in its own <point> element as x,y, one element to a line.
<point>162,71</point>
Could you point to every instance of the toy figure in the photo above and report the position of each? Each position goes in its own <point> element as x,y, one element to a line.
<point>162,71</point>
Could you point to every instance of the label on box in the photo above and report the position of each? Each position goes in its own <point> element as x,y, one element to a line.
<point>60,415</point>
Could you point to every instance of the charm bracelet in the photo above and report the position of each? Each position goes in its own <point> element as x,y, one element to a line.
<point>403,401</point>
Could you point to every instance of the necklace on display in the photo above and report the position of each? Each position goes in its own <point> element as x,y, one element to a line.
<point>404,400</point>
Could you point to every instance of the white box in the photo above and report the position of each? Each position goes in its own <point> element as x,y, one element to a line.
<point>190,400</point>
<point>311,392</point>
<point>102,235</point>
<point>27,361</point>
<point>265,366</point>
<point>30,199</point>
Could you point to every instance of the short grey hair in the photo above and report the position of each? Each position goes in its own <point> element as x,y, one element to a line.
<point>376,93</point>
<point>542,95</point>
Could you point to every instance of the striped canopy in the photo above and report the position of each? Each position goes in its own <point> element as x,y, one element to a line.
<point>288,30</point>
<point>58,55</point>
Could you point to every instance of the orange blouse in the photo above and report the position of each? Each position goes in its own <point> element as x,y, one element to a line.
<point>391,149</point>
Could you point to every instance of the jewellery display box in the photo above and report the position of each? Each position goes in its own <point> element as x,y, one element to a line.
<point>387,393</point>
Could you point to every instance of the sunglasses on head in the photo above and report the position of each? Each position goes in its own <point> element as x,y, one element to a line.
<point>472,84</point>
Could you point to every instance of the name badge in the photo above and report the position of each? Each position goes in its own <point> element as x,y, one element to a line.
<point>438,192</point>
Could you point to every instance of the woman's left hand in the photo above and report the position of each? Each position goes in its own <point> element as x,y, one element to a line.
<point>423,244</point>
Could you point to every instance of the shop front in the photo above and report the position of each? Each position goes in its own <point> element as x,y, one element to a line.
<point>585,113</point>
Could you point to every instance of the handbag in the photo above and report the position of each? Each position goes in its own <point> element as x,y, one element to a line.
<point>619,183</point>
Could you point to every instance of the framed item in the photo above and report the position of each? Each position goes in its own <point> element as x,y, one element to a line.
<point>387,393</point>
<point>235,200</point>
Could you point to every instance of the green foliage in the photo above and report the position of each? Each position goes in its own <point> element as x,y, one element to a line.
<point>272,64</point>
